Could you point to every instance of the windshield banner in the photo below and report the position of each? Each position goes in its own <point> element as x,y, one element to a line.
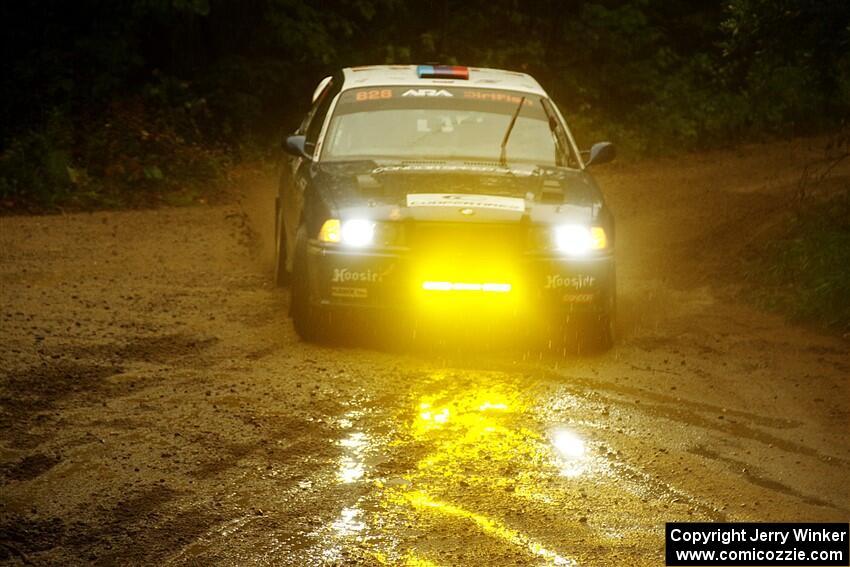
<point>461,200</point>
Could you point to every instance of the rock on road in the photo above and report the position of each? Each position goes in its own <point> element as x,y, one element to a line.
<point>156,407</point>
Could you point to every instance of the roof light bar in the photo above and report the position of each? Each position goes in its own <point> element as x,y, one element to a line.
<point>442,72</point>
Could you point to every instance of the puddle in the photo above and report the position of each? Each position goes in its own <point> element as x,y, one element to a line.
<point>351,463</point>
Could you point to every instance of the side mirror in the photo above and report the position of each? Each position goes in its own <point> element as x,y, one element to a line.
<point>601,152</point>
<point>296,146</point>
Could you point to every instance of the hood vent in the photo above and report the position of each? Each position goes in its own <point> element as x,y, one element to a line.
<point>551,192</point>
<point>369,185</point>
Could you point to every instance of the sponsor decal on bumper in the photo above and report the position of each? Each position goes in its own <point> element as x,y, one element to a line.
<point>350,292</point>
<point>578,297</point>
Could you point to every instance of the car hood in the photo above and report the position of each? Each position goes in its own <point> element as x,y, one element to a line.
<point>457,192</point>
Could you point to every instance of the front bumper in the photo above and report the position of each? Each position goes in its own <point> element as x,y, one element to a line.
<point>398,278</point>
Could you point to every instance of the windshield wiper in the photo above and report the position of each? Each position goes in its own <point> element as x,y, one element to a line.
<point>503,156</point>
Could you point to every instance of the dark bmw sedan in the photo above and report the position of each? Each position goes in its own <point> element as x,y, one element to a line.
<point>441,190</point>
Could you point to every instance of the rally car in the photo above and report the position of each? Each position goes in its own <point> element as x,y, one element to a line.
<point>443,189</point>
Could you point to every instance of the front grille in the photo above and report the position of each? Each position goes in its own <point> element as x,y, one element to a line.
<point>388,234</point>
<point>473,242</point>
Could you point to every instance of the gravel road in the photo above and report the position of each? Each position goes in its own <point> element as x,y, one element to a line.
<point>156,407</point>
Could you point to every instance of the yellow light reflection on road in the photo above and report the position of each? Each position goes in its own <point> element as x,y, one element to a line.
<point>467,430</point>
<point>490,526</point>
<point>470,445</point>
<point>475,442</point>
<point>432,411</point>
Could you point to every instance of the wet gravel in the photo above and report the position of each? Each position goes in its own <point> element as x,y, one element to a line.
<point>156,406</point>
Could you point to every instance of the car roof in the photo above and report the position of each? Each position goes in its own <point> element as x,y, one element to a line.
<point>406,75</point>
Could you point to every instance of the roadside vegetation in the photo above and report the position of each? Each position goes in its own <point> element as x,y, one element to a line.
<point>804,271</point>
<point>143,102</point>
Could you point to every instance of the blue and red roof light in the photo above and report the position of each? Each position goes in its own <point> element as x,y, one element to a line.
<point>442,72</point>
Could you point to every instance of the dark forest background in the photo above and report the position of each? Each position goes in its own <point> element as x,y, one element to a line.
<point>108,102</point>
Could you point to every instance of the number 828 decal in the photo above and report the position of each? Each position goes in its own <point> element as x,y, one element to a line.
<point>373,94</point>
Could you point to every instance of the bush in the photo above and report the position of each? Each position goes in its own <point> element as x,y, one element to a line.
<point>808,269</point>
<point>36,166</point>
<point>146,92</point>
<point>140,151</point>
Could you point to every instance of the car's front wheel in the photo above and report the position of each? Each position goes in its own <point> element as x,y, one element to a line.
<point>281,274</point>
<point>584,333</point>
<point>309,320</point>
<point>596,331</point>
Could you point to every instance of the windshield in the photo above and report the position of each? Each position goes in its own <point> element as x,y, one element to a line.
<point>465,124</point>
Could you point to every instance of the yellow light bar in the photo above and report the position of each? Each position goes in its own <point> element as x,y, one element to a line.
<point>437,286</point>
<point>466,286</point>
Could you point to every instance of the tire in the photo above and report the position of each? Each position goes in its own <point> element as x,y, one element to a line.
<point>308,319</point>
<point>583,333</point>
<point>281,274</point>
<point>597,331</point>
<point>596,335</point>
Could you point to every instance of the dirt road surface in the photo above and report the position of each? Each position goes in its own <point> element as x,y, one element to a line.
<point>158,409</point>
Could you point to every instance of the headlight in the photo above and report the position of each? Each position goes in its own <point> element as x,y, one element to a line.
<point>578,240</point>
<point>354,232</point>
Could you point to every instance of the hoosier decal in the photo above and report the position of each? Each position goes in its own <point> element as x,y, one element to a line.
<point>343,275</point>
<point>558,281</point>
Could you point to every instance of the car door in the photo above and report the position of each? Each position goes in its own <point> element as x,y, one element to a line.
<point>296,169</point>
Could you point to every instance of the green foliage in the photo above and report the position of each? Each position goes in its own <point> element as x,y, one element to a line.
<point>805,272</point>
<point>138,151</point>
<point>36,166</point>
<point>808,270</point>
<point>789,61</point>
<point>650,76</point>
